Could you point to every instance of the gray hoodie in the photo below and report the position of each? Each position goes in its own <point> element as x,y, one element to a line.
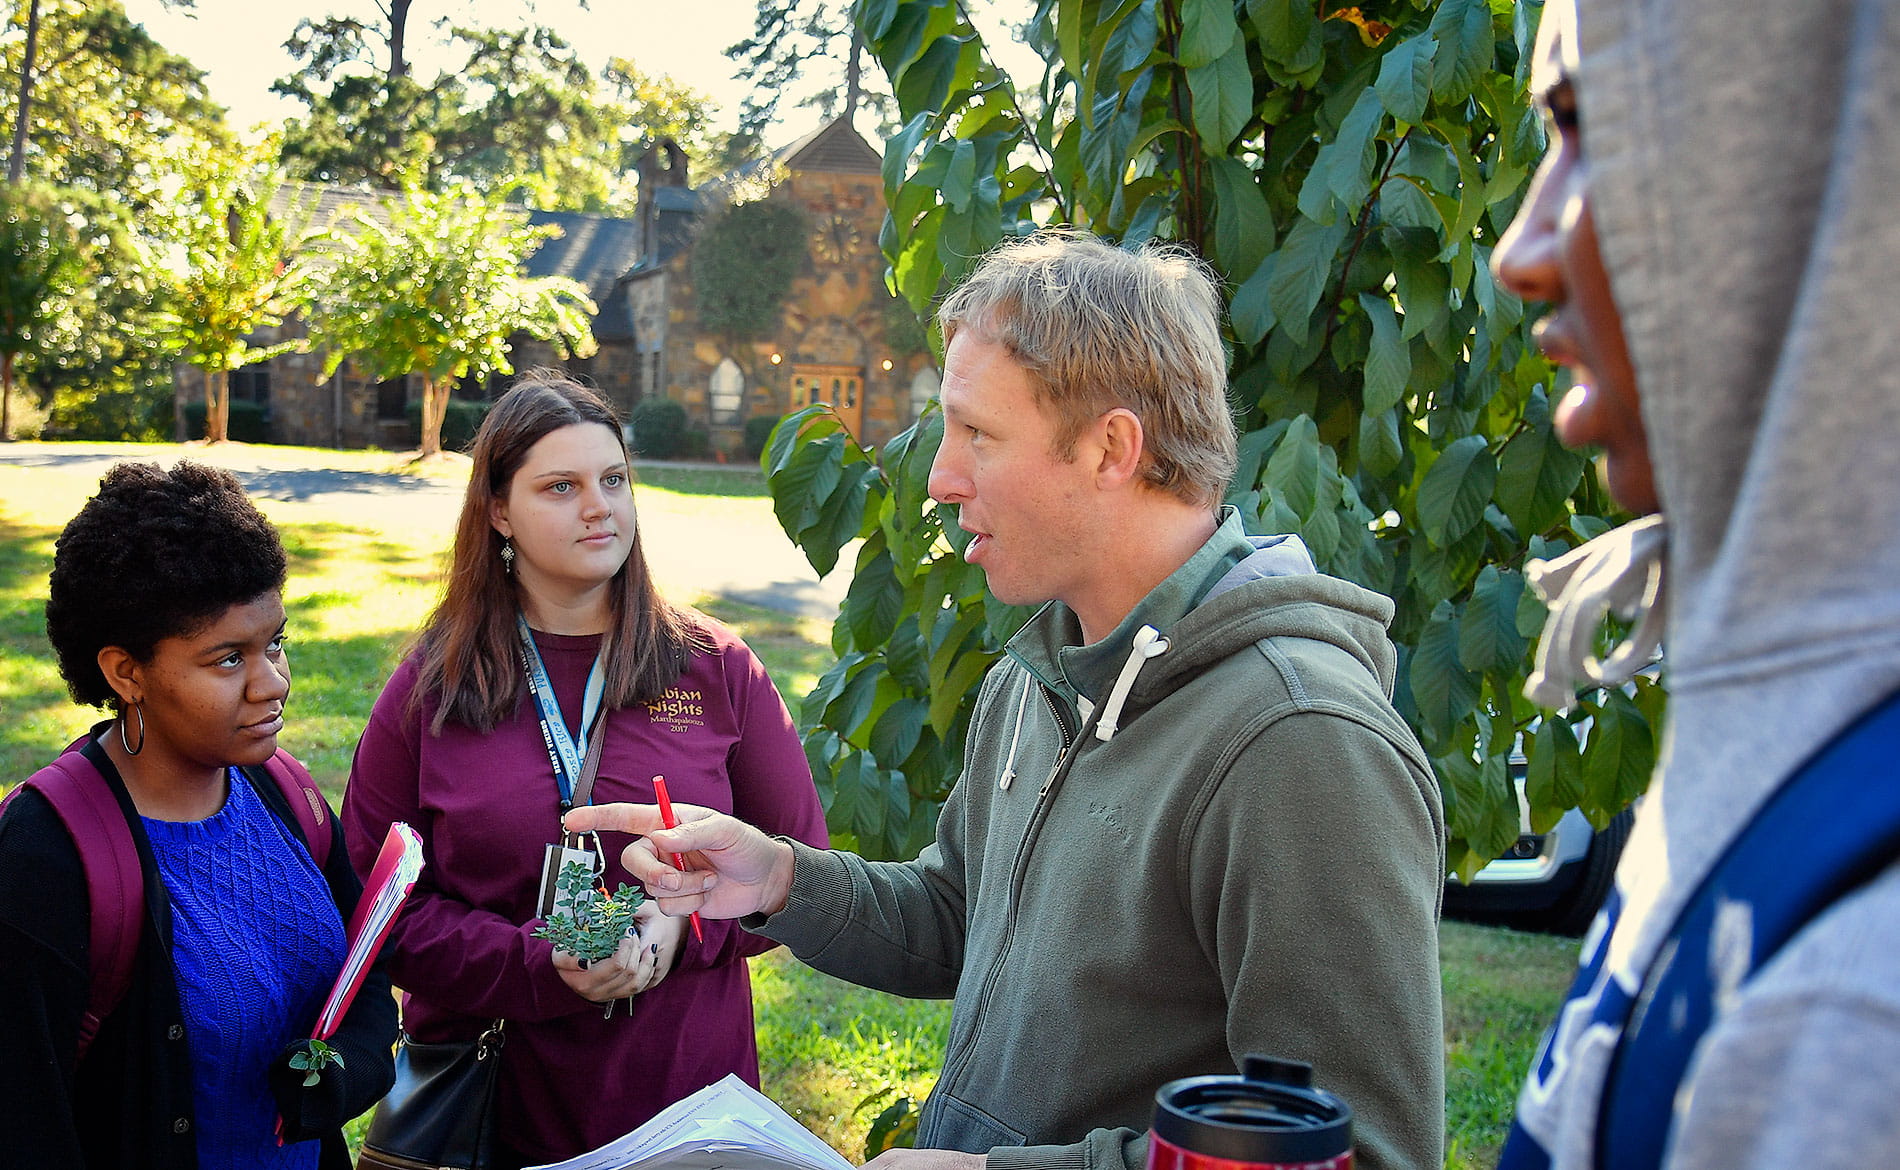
<point>1744,160</point>
<point>1206,835</point>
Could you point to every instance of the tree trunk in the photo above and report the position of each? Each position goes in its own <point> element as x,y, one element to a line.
<point>217,406</point>
<point>6,396</point>
<point>398,23</point>
<point>435,404</point>
<point>851,85</point>
<point>16,166</point>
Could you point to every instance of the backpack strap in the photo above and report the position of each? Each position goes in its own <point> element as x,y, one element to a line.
<point>1830,829</point>
<point>306,802</point>
<point>115,880</point>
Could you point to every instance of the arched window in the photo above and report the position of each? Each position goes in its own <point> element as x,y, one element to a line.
<point>728,391</point>
<point>923,388</point>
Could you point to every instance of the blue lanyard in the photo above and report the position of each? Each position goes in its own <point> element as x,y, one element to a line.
<point>563,756</point>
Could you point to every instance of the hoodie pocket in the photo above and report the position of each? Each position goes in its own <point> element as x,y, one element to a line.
<point>957,1125</point>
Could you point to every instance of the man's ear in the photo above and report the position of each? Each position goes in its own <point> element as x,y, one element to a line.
<point>1121,440</point>
<point>124,674</point>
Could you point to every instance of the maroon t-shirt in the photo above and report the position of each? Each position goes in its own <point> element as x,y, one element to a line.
<point>486,807</point>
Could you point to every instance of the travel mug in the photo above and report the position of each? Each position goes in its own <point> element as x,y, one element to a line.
<point>1268,1118</point>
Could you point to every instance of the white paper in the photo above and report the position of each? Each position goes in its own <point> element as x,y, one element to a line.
<point>728,1125</point>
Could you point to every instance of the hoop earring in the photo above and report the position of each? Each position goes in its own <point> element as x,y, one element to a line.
<point>507,555</point>
<point>139,710</point>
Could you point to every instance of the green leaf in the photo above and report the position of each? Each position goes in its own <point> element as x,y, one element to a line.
<point>1536,474</point>
<point>1462,30</point>
<point>874,602</point>
<point>1293,471</point>
<point>1292,44</point>
<point>959,179</point>
<point>1208,33</point>
<point>1350,169</point>
<point>1252,309</point>
<point>962,678</point>
<point>1243,225</point>
<point>897,731</point>
<point>1405,78</point>
<point>1452,498</point>
<point>1380,449</point>
<point>1444,690</point>
<point>1301,270</point>
<point>1388,360</point>
<point>1404,203</point>
<point>1553,781</point>
<point>1617,759</point>
<point>1222,93</point>
<point>1488,637</point>
<point>925,82</point>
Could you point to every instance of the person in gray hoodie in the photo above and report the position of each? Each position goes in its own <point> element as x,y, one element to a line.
<point>1190,825</point>
<point>1711,226</point>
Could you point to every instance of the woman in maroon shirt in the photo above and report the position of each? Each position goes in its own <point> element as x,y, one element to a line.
<point>550,626</point>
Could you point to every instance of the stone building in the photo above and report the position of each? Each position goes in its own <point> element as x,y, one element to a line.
<point>831,344</point>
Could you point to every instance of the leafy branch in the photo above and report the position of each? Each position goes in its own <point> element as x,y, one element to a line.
<point>597,921</point>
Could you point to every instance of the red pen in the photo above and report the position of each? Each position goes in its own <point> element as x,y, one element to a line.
<point>672,822</point>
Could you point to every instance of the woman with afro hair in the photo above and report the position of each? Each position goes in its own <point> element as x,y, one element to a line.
<point>166,606</point>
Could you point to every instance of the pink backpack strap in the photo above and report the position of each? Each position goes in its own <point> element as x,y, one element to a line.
<point>115,882</point>
<point>305,801</point>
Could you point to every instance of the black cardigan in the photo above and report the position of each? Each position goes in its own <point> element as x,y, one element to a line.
<point>130,1104</point>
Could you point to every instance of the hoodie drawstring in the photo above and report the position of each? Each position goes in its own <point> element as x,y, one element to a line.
<point>1148,643</point>
<point>1619,572</point>
<point>1015,737</point>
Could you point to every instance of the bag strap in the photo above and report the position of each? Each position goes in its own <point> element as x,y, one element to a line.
<point>115,880</point>
<point>305,800</point>
<point>1831,827</point>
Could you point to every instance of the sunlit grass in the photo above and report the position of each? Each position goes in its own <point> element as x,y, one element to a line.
<point>1502,988</point>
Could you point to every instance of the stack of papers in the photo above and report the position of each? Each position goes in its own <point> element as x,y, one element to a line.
<point>725,1126</point>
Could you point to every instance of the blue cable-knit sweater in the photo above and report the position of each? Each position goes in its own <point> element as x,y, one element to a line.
<point>256,942</point>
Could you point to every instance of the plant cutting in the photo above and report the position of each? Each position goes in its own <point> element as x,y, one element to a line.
<point>588,922</point>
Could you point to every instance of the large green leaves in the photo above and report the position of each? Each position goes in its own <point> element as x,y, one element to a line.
<point>1347,182</point>
<point>884,727</point>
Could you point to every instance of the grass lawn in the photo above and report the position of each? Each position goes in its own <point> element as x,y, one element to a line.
<point>834,1055</point>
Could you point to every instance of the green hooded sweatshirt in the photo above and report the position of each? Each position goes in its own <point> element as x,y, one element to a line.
<point>1205,836</point>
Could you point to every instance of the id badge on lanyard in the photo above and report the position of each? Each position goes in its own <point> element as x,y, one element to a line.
<point>572,777</point>
<point>582,849</point>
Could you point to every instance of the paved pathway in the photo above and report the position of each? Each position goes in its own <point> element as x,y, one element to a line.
<point>728,547</point>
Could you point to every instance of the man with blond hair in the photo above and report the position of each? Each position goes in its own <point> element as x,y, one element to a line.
<point>1190,825</point>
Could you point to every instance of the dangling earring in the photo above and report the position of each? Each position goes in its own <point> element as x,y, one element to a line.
<point>139,710</point>
<point>507,555</point>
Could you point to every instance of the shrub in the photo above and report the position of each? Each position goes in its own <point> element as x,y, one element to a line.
<point>758,430</point>
<point>245,422</point>
<point>659,428</point>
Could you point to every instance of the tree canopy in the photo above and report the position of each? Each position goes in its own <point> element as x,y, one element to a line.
<point>433,285</point>
<point>1347,172</point>
<point>521,112</point>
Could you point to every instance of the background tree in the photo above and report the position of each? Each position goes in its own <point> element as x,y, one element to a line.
<point>788,38</point>
<point>101,113</point>
<point>236,262</point>
<point>1347,172</point>
<point>745,258</point>
<point>39,263</point>
<point>520,111</point>
<point>435,287</point>
<point>108,108</point>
